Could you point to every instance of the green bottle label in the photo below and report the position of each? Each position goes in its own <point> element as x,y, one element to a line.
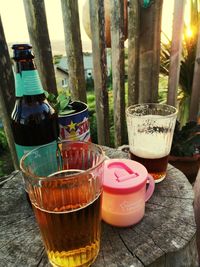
<point>18,85</point>
<point>31,83</point>
<point>22,150</point>
<point>28,83</point>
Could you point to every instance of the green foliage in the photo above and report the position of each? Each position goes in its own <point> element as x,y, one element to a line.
<point>163,88</point>
<point>56,59</point>
<point>3,141</point>
<point>62,103</point>
<point>2,173</point>
<point>188,55</point>
<point>3,150</point>
<point>186,140</point>
<point>185,78</point>
<point>92,112</point>
<point>92,115</point>
<point>89,84</point>
<point>111,118</point>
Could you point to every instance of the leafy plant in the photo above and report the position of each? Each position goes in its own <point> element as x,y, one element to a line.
<point>186,140</point>
<point>92,116</point>
<point>62,103</point>
<point>3,141</point>
<point>189,45</point>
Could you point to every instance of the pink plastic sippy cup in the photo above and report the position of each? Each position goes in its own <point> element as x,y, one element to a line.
<point>124,192</point>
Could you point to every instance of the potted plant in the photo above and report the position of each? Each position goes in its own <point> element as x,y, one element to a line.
<point>185,150</point>
<point>72,117</point>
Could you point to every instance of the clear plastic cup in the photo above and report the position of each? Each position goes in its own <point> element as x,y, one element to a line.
<point>150,133</point>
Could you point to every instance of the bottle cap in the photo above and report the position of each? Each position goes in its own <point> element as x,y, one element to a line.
<point>22,51</point>
<point>124,176</point>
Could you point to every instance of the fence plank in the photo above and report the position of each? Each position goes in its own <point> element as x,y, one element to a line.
<point>7,94</point>
<point>175,55</point>
<point>150,29</point>
<point>39,37</point>
<point>74,49</point>
<point>117,44</point>
<point>195,97</point>
<point>133,52</point>
<point>97,22</point>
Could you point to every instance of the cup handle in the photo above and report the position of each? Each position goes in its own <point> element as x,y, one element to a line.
<point>150,188</point>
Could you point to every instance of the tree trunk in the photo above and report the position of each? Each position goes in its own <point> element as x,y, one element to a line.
<point>74,49</point>
<point>39,37</point>
<point>117,44</point>
<point>149,56</point>
<point>100,70</point>
<point>175,55</point>
<point>133,52</point>
<point>7,95</point>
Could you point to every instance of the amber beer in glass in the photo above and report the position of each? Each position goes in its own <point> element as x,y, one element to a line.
<point>150,133</point>
<point>65,189</point>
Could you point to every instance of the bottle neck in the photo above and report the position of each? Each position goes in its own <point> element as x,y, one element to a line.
<point>24,64</point>
<point>34,98</point>
<point>27,81</point>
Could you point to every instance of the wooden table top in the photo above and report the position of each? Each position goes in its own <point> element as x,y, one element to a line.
<point>165,236</point>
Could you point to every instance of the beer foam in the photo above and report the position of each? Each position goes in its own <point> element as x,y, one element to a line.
<point>149,146</point>
<point>150,136</point>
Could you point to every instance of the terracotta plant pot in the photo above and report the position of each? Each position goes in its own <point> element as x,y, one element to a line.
<point>188,165</point>
<point>75,126</point>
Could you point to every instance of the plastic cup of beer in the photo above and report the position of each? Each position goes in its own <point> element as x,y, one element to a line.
<point>64,184</point>
<point>150,133</point>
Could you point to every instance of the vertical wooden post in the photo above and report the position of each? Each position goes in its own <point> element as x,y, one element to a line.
<point>195,97</point>
<point>39,38</point>
<point>117,44</point>
<point>74,49</point>
<point>97,23</point>
<point>133,52</point>
<point>176,48</point>
<point>149,56</point>
<point>7,90</point>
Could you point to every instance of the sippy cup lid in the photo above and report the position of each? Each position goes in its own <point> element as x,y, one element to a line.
<point>123,176</point>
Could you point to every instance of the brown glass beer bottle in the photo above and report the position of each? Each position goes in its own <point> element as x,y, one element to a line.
<point>34,122</point>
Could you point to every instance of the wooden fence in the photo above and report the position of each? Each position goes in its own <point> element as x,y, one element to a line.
<point>144,35</point>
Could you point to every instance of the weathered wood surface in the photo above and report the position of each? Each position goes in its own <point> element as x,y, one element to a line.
<point>39,37</point>
<point>133,51</point>
<point>73,47</point>
<point>97,22</point>
<point>149,51</point>
<point>7,93</point>
<point>175,54</point>
<point>117,44</point>
<point>165,236</point>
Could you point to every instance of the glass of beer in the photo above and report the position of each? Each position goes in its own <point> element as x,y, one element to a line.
<point>64,184</point>
<point>150,133</point>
